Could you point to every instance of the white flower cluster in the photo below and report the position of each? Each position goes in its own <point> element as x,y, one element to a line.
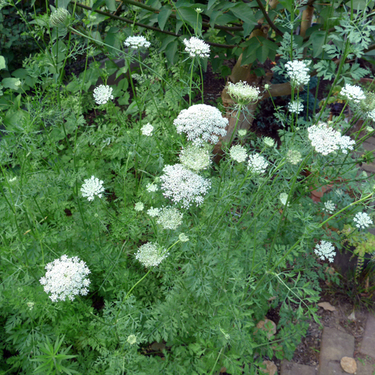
<point>153,212</point>
<point>183,237</point>
<point>151,188</point>
<point>201,123</point>
<point>325,250</point>
<point>147,130</point>
<point>362,220</point>
<point>257,164</point>
<point>283,198</point>
<point>298,72</point>
<point>139,206</point>
<point>295,107</point>
<point>371,115</point>
<point>183,186</point>
<point>150,254</point>
<point>329,207</point>
<point>238,153</point>
<point>102,94</point>
<point>242,93</point>
<point>197,47</point>
<point>66,278</point>
<point>326,140</point>
<point>136,42</point>
<point>91,187</point>
<point>195,158</point>
<point>268,141</point>
<point>353,93</point>
<point>170,218</point>
<point>294,157</point>
<point>242,132</point>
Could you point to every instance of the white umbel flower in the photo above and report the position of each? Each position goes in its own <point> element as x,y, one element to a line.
<point>325,250</point>
<point>195,158</point>
<point>183,186</point>
<point>242,133</point>
<point>147,130</point>
<point>170,218</point>
<point>326,140</point>
<point>238,153</point>
<point>197,47</point>
<point>242,93</point>
<point>91,187</point>
<point>136,42</point>
<point>295,107</point>
<point>353,93</point>
<point>153,212</point>
<point>268,141</point>
<point>139,206</point>
<point>59,17</point>
<point>132,339</point>
<point>362,220</point>
<point>66,278</point>
<point>151,254</point>
<point>102,94</point>
<point>151,188</point>
<point>298,72</point>
<point>294,157</point>
<point>329,207</point>
<point>257,164</point>
<point>183,237</point>
<point>201,123</point>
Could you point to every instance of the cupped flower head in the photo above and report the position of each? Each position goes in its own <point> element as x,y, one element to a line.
<point>196,158</point>
<point>329,207</point>
<point>325,250</point>
<point>91,187</point>
<point>136,42</point>
<point>353,93</point>
<point>201,123</point>
<point>170,218</point>
<point>197,47</point>
<point>268,141</point>
<point>295,107</point>
<point>183,237</point>
<point>298,72</point>
<point>242,93</point>
<point>59,17</point>
<point>153,212</point>
<point>102,94</point>
<point>132,339</point>
<point>242,133</point>
<point>151,254</point>
<point>66,278</point>
<point>362,220</point>
<point>326,140</point>
<point>147,130</point>
<point>183,186</point>
<point>257,164</point>
<point>139,206</point>
<point>238,153</point>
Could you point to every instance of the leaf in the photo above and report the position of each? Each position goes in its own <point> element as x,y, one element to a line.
<point>170,52</point>
<point>163,16</point>
<point>97,4</point>
<point>189,15</point>
<point>211,3</point>
<point>327,306</point>
<point>11,83</point>
<point>317,42</point>
<point>2,62</point>
<point>111,5</point>
<point>244,13</point>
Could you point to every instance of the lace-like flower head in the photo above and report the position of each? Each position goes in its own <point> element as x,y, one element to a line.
<point>136,42</point>
<point>151,254</point>
<point>238,153</point>
<point>147,130</point>
<point>325,250</point>
<point>102,94</point>
<point>170,218</point>
<point>298,72</point>
<point>257,164</point>
<point>197,47</point>
<point>183,186</point>
<point>139,206</point>
<point>91,187</point>
<point>242,93</point>
<point>153,212</point>
<point>66,278</point>
<point>329,207</point>
<point>295,107</point>
<point>294,157</point>
<point>196,158</point>
<point>353,93</point>
<point>151,188</point>
<point>201,123</point>
<point>362,220</point>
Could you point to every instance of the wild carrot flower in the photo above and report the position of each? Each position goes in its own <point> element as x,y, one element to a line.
<point>66,278</point>
<point>147,130</point>
<point>353,93</point>
<point>283,198</point>
<point>196,158</point>
<point>132,339</point>
<point>151,188</point>
<point>139,206</point>
<point>362,220</point>
<point>201,123</point>
<point>197,47</point>
<point>242,132</point>
<point>242,93</point>
<point>325,250</point>
<point>102,94</point>
<point>294,157</point>
<point>238,153</point>
<point>151,254</point>
<point>183,237</point>
<point>136,42</point>
<point>59,17</point>
<point>295,107</point>
<point>329,207</point>
<point>183,186</point>
<point>257,164</point>
<point>268,141</point>
<point>298,72</point>
<point>170,218</point>
<point>153,212</point>
<point>91,187</point>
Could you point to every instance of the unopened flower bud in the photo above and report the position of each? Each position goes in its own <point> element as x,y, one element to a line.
<point>59,17</point>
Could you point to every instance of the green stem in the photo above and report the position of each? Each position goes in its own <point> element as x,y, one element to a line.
<point>191,79</point>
